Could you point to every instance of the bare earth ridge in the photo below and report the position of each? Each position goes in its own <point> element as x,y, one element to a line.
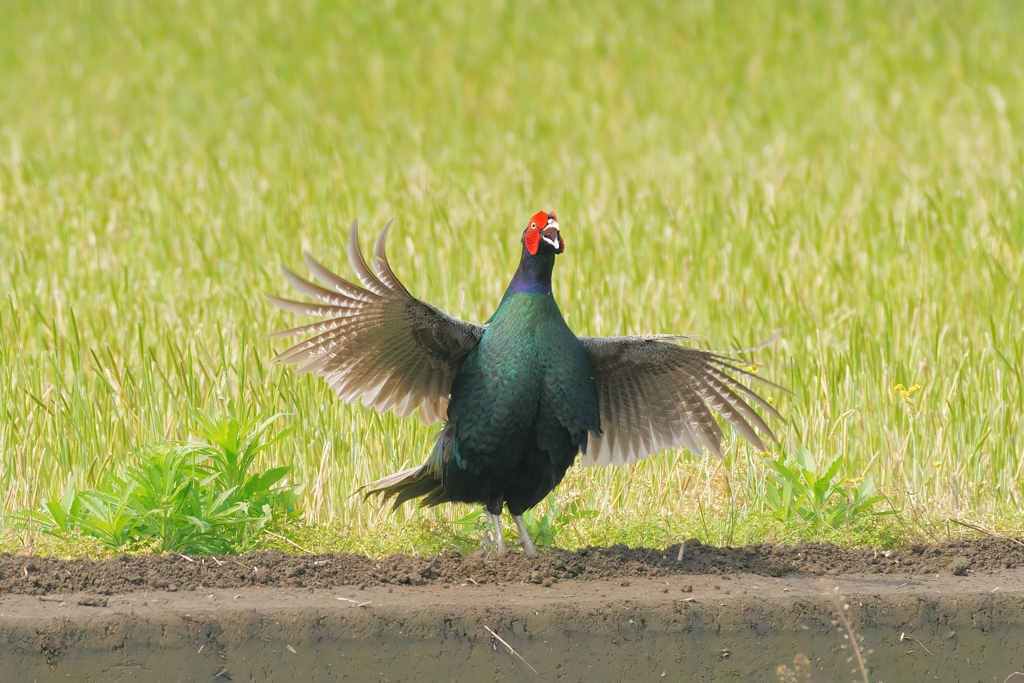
<point>950,612</point>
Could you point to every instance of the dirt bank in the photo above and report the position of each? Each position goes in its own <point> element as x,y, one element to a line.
<point>947,613</point>
<point>38,576</point>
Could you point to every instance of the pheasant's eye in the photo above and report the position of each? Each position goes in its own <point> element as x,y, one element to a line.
<point>533,226</point>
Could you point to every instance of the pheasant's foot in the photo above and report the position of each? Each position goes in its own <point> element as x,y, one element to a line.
<point>528,546</point>
<point>496,520</point>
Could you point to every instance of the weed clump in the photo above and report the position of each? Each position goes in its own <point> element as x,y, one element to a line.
<point>797,490</point>
<point>203,497</point>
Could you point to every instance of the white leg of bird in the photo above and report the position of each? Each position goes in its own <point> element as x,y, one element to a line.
<point>528,545</point>
<point>496,520</point>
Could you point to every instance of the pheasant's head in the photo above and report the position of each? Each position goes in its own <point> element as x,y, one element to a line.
<point>542,236</point>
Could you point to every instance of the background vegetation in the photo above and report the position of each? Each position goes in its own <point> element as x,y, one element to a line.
<point>849,172</point>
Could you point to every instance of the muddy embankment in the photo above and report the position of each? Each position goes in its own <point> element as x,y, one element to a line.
<point>950,613</point>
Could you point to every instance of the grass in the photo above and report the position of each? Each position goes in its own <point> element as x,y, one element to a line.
<point>850,173</point>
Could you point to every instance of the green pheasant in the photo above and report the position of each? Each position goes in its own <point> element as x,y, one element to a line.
<point>519,396</point>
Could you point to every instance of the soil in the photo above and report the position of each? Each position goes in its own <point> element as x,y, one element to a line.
<point>41,576</point>
<point>951,612</point>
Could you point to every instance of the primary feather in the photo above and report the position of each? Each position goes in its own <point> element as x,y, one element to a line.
<point>377,343</point>
<point>521,396</point>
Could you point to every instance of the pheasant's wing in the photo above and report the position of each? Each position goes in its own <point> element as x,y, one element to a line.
<point>378,342</point>
<point>654,395</point>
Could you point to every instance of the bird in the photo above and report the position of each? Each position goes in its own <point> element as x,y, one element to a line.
<point>520,396</point>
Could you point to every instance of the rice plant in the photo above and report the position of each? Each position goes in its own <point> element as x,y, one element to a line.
<point>849,173</point>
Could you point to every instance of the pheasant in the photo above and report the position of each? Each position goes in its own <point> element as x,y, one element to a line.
<point>519,396</point>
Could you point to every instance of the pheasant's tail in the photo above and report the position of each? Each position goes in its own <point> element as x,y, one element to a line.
<point>416,482</point>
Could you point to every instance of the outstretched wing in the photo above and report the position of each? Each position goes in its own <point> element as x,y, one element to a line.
<point>377,342</point>
<point>654,395</point>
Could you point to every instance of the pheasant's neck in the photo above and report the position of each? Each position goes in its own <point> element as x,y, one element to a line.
<point>533,275</point>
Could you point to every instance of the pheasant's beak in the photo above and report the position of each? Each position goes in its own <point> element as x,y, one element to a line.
<point>551,235</point>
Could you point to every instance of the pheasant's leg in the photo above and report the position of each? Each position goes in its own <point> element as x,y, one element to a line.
<point>528,545</point>
<point>496,520</point>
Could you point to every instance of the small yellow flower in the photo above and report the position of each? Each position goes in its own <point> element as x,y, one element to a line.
<point>905,394</point>
<point>771,400</point>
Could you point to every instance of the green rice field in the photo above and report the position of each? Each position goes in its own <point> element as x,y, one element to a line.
<point>851,174</point>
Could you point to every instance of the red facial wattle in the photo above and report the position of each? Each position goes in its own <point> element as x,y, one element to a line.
<point>532,239</point>
<point>543,228</point>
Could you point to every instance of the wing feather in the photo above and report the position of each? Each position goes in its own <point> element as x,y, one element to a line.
<point>377,343</point>
<point>654,394</point>
<point>330,279</point>
<point>358,263</point>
